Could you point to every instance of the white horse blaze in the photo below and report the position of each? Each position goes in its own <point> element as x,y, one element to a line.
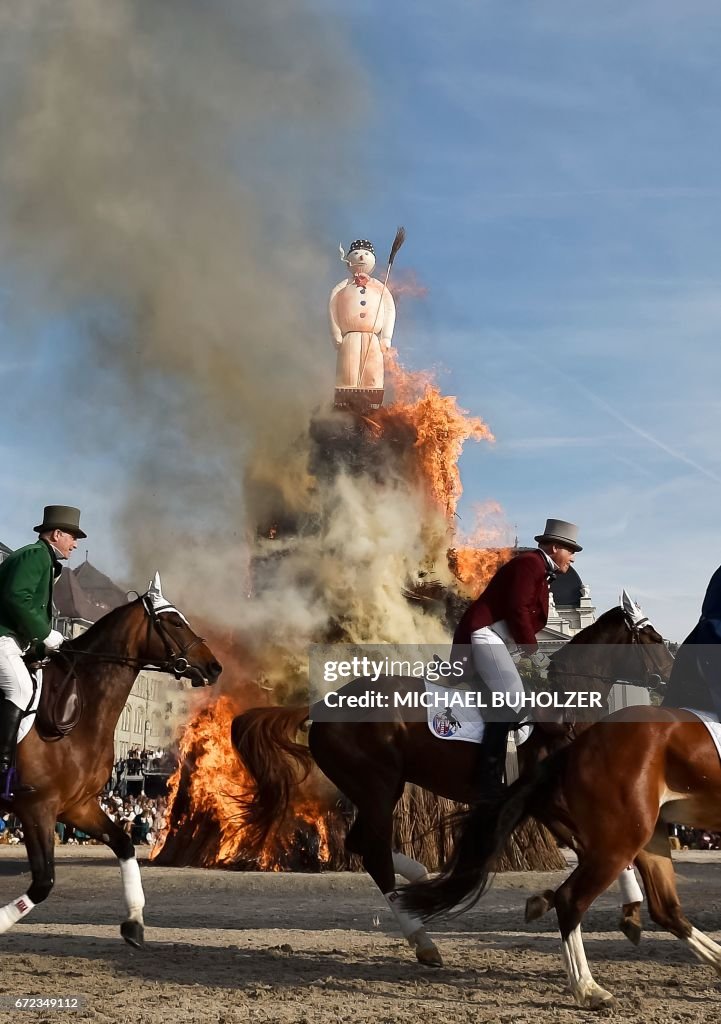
<point>132,889</point>
<point>11,913</point>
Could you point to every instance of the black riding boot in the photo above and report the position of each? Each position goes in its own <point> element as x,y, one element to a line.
<point>491,764</point>
<point>10,717</point>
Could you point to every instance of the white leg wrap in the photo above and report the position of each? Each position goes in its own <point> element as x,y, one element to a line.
<point>585,990</point>
<point>132,889</point>
<point>11,913</point>
<point>411,870</point>
<point>408,923</point>
<point>631,891</point>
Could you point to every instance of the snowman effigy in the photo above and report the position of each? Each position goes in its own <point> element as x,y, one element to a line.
<point>362,316</point>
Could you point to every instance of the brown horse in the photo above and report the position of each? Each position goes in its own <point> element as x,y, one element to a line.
<point>68,775</point>
<point>371,762</point>
<point>615,789</point>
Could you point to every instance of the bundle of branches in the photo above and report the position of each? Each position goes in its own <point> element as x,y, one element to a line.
<point>423,830</point>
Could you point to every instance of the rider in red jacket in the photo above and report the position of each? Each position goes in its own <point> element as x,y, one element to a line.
<point>501,625</point>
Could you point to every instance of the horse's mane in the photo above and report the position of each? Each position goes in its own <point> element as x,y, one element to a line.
<point>613,618</point>
<point>103,624</point>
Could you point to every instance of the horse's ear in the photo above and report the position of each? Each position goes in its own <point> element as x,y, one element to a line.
<point>154,587</point>
<point>630,607</point>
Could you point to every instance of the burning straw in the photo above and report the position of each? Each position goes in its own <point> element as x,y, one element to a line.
<point>362,551</point>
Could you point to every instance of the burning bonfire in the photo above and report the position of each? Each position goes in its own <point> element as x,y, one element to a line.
<point>361,471</point>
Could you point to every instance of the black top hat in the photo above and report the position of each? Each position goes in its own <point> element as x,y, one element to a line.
<point>61,517</point>
<point>361,243</point>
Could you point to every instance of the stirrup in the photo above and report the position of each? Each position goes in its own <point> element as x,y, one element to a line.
<point>10,786</point>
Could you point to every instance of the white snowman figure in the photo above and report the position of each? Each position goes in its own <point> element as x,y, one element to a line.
<point>362,316</point>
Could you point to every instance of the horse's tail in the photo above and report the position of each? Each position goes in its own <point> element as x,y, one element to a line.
<point>483,832</point>
<point>264,739</point>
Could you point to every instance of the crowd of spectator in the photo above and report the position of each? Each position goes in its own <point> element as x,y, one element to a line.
<point>684,838</point>
<point>141,817</point>
<point>130,770</point>
<point>134,797</point>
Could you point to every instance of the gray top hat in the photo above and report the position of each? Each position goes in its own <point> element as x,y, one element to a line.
<point>61,517</point>
<point>562,532</point>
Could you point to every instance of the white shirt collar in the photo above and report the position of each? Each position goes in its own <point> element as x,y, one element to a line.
<point>549,561</point>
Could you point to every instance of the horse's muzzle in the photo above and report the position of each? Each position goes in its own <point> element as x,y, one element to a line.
<point>205,676</point>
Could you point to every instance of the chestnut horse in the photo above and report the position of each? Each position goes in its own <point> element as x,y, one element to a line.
<point>371,761</point>
<point>68,775</point>
<point>615,789</point>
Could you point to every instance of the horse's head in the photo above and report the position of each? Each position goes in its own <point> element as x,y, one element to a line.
<point>170,644</point>
<point>620,646</point>
<point>658,658</point>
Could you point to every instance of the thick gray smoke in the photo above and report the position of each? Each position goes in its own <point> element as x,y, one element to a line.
<point>160,161</point>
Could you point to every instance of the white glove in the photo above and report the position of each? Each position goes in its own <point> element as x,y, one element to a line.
<point>540,661</point>
<point>53,640</point>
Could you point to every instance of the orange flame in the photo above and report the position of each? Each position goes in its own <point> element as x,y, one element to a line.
<point>204,818</point>
<point>205,799</point>
<point>441,428</point>
<point>483,551</point>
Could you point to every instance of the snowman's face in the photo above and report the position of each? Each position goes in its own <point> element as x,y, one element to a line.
<point>361,260</point>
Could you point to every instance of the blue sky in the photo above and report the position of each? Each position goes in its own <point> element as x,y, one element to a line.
<point>557,169</point>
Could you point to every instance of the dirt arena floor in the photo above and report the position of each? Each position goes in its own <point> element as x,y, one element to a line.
<point>301,949</point>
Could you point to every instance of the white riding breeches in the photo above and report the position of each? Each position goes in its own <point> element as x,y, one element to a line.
<point>15,681</point>
<point>493,662</point>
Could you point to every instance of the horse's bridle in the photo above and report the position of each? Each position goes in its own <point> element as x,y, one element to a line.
<point>635,626</point>
<point>175,663</point>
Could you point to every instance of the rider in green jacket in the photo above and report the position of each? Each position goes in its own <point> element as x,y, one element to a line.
<point>26,596</point>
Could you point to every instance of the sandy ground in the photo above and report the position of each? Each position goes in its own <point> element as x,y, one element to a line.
<point>300,949</point>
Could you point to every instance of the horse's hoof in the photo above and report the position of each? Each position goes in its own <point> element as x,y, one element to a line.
<point>537,906</point>
<point>426,950</point>
<point>631,929</point>
<point>602,1001</point>
<point>429,957</point>
<point>595,998</point>
<point>133,933</point>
